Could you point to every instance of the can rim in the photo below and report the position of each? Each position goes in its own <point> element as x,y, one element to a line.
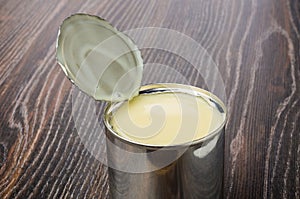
<point>182,88</point>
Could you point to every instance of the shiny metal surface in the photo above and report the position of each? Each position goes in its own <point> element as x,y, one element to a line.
<point>188,171</point>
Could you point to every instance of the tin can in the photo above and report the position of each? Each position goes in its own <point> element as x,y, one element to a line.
<point>187,170</point>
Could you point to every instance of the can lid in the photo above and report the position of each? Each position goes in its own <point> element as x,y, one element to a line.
<point>103,62</point>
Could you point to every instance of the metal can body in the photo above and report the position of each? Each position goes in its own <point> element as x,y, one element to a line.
<point>191,170</point>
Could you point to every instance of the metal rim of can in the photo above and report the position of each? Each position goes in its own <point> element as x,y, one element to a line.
<point>172,87</point>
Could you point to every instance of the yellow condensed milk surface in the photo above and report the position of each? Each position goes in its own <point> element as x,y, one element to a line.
<point>169,118</point>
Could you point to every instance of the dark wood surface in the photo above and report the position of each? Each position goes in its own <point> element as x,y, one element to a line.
<point>255,44</point>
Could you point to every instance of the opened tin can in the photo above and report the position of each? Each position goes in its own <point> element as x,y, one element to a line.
<point>186,163</point>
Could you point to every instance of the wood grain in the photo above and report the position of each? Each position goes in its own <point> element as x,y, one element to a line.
<point>256,45</point>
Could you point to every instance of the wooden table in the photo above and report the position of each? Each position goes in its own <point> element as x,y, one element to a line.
<point>255,44</point>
